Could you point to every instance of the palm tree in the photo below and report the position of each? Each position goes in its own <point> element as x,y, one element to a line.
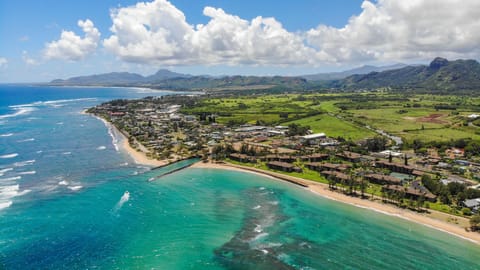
<point>363,185</point>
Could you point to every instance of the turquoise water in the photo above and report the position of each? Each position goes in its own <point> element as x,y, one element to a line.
<point>68,207</point>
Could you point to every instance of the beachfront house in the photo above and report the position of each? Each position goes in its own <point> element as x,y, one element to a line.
<point>473,204</point>
<point>283,166</point>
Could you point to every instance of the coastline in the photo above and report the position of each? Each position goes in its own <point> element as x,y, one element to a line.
<point>138,157</point>
<point>323,190</point>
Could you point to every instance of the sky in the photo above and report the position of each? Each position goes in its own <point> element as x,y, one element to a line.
<point>50,39</point>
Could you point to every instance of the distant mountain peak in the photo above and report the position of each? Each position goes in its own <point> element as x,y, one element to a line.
<point>438,62</point>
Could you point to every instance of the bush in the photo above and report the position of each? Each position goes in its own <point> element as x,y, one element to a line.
<point>466,211</point>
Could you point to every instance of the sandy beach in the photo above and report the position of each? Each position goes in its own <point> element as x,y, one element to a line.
<point>138,157</point>
<point>323,190</point>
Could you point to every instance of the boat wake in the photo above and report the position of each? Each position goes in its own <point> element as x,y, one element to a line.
<point>125,197</point>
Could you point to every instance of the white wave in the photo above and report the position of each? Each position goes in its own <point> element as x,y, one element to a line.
<point>18,111</point>
<point>75,188</point>
<point>261,188</point>
<point>258,228</point>
<point>3,171</point>
<point>9,179</point>
<point>66,153</point>
<point>125,197</point>
<point>51,103</point>
<point>258,237</point>
<point>114,139</point>
<point>27,140</point>
<point>39,152</point>
<point>63,183</point>
<point>27,173</point>
<point>8,192</point>
<point>101,147</point>
<point>9,155</point>
<point>6,204</point>
<point>56,102</point>
<point>256,207</point>
<point>60,123</point>
<point>24,163</point>
<point>6,135</point>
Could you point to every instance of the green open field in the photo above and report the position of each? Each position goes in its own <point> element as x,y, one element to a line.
<point>424,117</point>
<point>334,127</point>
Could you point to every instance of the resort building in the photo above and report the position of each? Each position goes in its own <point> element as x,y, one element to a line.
<point>282,166</point>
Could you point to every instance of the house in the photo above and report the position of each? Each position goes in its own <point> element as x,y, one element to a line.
<point>283,166</point>
<point>338,176</point>
<point>312,138</point>
<point>349,156</point>
<point>318,166</point>
<point>414,191</point>
<point>473,204</point>
<point>286,159</point>
<point>382,179</point>
<point>394,167</point>
<point>314,157</point>
<point>454,179</point>
<point>242,158</point>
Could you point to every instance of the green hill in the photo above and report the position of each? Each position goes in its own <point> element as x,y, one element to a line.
<point>440,75</point>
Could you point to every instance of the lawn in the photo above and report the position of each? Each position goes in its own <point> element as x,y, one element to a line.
<point>334,127</point>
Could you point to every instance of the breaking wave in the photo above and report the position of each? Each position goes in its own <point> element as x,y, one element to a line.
<point>9,155</point>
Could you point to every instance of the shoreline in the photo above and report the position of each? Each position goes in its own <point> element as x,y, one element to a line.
<point>139,158</point>
<point>323,190</point>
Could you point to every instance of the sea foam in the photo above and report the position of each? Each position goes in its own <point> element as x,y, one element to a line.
<point>125,197</point>
<point>24,163</point>
<point>27,173</point>
<point>5,204</point>
<point>75,188</point>
<point>19,110</point>
<point>27,140</point>
<point>3,171</point>
<point>9,155</point>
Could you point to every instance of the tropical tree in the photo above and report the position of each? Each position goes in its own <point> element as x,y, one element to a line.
<point>475,222</point>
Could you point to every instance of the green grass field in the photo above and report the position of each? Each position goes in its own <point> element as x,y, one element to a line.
<point>346,115</point>
<point>334,127</point>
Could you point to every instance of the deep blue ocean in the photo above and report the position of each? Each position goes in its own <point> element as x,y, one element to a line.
<point>63,205</point>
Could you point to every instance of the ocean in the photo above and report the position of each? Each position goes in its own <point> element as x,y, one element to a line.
<point>64,205</point>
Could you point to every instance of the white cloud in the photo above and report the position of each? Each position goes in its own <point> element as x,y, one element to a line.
<point>72,47</point>
<point>28,60</point>
<point>386,30</point>
<point>3,62</point>
<point>402,30</point>
<point>157,32</point>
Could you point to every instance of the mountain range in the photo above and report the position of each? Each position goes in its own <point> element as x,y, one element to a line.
<point>343,74</point>
<point>439,75</point>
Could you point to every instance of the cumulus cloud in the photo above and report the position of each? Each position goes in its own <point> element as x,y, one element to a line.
<point>157,32</point>
<point>72,47</point>
<point>3,62</point>
<point>386,30</point>
<point>398,30</point>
